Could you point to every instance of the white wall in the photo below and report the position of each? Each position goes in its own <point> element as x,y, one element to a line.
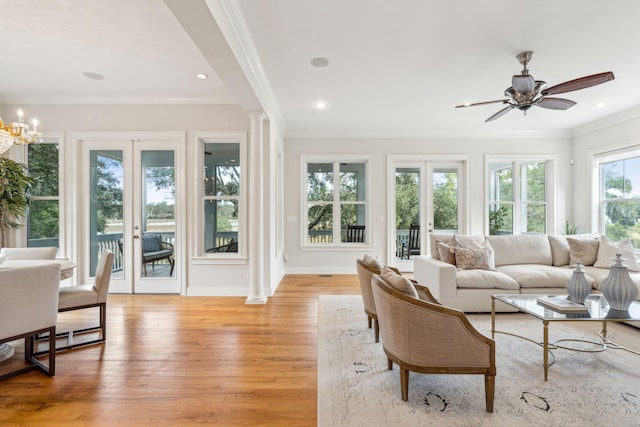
<point>343,261</point>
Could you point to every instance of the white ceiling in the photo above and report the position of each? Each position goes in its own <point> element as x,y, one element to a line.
<point>397,68</point>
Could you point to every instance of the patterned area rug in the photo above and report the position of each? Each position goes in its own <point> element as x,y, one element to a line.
<point>584,389</point>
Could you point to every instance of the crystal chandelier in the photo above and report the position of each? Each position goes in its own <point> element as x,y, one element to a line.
<point>18,133</point>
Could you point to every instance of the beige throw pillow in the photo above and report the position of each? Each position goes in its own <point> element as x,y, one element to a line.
<point>372,262</point>
<point>608,249</point>
<point>482,258</point>
<point>584,250</point>
<point>446,252</point>
<point>399,282</point>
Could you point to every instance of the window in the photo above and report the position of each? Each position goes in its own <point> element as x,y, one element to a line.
<point>43,220</point>
<point>336,203</point>
<point>619,196</point>
<point>519,197</point>
<point>221,197</point>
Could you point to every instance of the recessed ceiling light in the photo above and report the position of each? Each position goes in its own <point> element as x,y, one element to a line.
<point>320,105</point>
<point>202,76</point>
<point>93,76</point>
<point>320,62</point>
<point>600,104</point>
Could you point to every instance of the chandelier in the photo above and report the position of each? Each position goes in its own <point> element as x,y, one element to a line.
<point>18,133</point>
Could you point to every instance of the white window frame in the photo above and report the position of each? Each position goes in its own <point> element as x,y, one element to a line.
<point>335,160</point>
<point>21,234</point>
<point>551,172</point>
<point>200,139</point>
<point>615,153</point>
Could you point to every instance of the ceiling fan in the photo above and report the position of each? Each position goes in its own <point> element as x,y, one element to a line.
<point>525,92</point>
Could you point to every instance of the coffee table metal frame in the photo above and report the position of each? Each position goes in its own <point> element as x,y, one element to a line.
<point>598,311</point>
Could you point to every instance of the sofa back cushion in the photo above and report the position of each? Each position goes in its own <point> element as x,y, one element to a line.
<point>521,249</point>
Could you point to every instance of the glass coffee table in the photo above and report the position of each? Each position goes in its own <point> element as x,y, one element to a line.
<point>598,310</point>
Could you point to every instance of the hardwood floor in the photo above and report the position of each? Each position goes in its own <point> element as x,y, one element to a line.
<point>186,360</point>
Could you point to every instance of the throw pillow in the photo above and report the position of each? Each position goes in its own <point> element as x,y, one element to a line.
<point>608,249</point>
<point>399,282</point>
<point>482,258</point>
<point>372,262</point>
<point>584,250</point>
<point>446,252</point>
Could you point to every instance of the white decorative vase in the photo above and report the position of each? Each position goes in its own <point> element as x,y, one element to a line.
<point>617,287</point>
<point>578,288</point>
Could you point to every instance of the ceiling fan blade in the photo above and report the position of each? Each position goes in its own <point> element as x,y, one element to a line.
<point>523,83</point>
<point>500,113</point>
<point>581,83</point>
<point>556,103</point>
<point>503,101</point>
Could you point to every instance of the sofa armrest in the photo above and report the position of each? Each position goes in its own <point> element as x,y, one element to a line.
<point>438,276</point>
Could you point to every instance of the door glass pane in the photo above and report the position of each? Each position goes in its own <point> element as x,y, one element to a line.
<point>106,205</point>
<point>445,200</point>
<point>407,205</point>
<point>158,213</point>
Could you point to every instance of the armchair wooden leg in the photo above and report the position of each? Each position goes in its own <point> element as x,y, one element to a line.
<point>389,364</point>
<point>489,390</point>
<point>376,329</point>
<point>404,383</point>
<point>369,321</point>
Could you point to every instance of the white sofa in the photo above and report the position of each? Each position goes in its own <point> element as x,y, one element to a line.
<point>527,264</point>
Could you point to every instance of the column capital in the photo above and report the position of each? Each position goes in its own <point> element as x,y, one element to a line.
<point>257,116</point>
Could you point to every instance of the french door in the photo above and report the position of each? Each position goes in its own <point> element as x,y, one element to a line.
<point>426,197</point>
<point>131,194</point>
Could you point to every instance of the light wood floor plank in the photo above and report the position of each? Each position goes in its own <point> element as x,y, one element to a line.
<point>186,360</point>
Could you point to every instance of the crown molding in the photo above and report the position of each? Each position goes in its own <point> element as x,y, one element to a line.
<point>425,134</point>
<point>614,119</point>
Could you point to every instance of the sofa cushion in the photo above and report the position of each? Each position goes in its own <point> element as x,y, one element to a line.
<point>372,261</point>
<point>470,242</point>
<point>583,249</point>
<point>608,249</point>
<point>559,250</point>
<point>521,249</point>
<point>479,257</point>
<point>483,279</point>
<point>539,276</point>
<point>399,282</point>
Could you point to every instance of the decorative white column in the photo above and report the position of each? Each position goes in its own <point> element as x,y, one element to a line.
<point>256,210</point>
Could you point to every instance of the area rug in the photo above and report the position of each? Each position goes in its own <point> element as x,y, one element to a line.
<point>583,389</point>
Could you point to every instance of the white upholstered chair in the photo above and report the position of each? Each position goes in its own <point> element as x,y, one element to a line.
<point>28,307</point>
<point>87,296</point>
<point>29,253</point>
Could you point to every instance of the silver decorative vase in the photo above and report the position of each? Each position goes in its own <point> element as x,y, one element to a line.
<point>578,288</point>
<point>617,287</point>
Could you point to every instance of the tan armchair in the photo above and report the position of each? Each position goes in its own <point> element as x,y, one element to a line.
<point>429,338</point>
<point>28,307</point>
<point>367,267</point>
